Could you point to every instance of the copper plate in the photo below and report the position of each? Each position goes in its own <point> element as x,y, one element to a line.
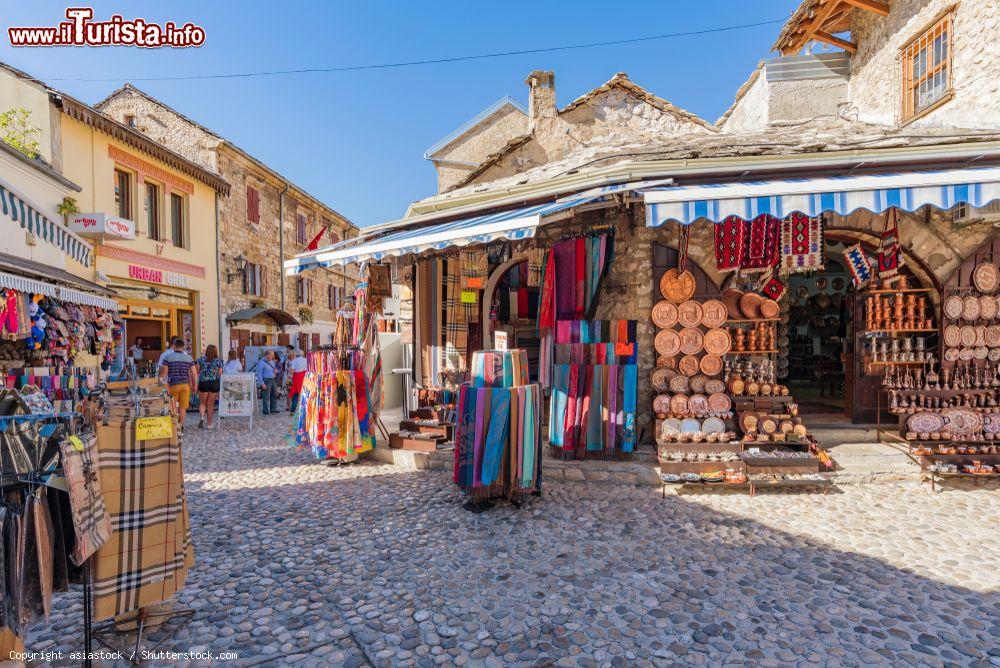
<point>660,379</point>
<point>698,404</point>
<point>966,354</point>
<point>993,336</point>
<point>769,308</point>
<point>713,313</point>
<point>689,314</point>
<point>679,383</point>
<point>717,341</point>
<point>719,402</point>
<point>666,362</point>
<point>716,385</point>
<point>786,426</point>
<point>698,383</point>
<point>951,355</point>
<point>970,308</point>
<point>768,425</point>
<point>953,335</point>
<point>664,314</point>
<point>677,286</point>
<point>667,343</point>
<point>692,340</point>
<point>711,365</point>
<point>987,307</point>
<point>981,352</point>
<point>985,277</point>
<point>980,335</point>
<point>994,355</point>
<point>953,307</point>
<point>688,365</point>
<point>968,335</point>
<point>731,298</point>
<point>661,404</point>
<point>679,404</point>
<point>750,305</point>
<point>748,421</point>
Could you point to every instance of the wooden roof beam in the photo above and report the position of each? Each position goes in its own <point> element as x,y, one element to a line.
<point>879,8</point>
<point>817,22</point>
<point>822,36</point>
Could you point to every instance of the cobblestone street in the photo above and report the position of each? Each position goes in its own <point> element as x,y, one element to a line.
<point>297,562</point>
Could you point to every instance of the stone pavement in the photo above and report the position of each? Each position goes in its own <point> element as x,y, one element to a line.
<point>368,564</point>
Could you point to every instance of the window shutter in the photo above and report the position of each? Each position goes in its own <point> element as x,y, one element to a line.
<point>261,281</point>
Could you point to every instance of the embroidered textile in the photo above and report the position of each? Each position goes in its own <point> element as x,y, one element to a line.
<point>801,243</point>
<point>730,243</point>
<point>762,243</point>
<point>859,265</point>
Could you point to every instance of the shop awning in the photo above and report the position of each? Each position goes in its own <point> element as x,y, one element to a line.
<point>839,194</point>
<point>513,225</point>
<point>18,273</point>
<point>277,315</point>
<point>21,211</point>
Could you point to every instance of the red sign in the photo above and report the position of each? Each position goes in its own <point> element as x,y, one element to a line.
<point>145,274</point>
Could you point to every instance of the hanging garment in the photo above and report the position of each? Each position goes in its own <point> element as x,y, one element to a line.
<point>730,243</point>
<point>547,299</point>
<point>456,327</point>
<point>536,266</point>
<point>147,557</point>
<point>858,264</point>
<point>762,243</point>
<point>91,523</point>
<point>890,253</point>
<point>801,243</point>
<point>564,253</point>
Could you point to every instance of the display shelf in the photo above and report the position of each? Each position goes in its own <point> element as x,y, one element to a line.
<point>752,352</point>
<point>667,466</point>
<point>888,291</point>
<point>913,363</point>
<point>826,484</point>
<point>867,332</point>
<point>746,321</point>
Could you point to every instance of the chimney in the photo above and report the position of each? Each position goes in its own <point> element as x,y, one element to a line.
<point>542,96</point>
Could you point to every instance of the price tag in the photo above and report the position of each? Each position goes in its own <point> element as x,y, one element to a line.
<point>151,428</point>
<point>470,296</point>
<point>500,340</point>
<point>76,442</point>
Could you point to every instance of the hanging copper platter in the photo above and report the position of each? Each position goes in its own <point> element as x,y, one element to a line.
<point>966,354</point>
<point>679,383</point>
<point>731,299</point>
<point>667,343</point>
<point>718,341</point>
<point>750,305</point>
<point>980,335</point>
<point>985,277</point>
<point>968,335</point>
<point>713,313</point>
<point>981,352</point>
<point>660,379</point>
<point>688,365</point>
<point>664,314</point>
<point>717,385</point>
<point>993,336</point>
<point>666,362</point>
<point>698,404</point>
<point>661,404</point>
<point>679,404</point>
<point>689,314</point>
<point>994,355</point>
<point>692,340</point>
<point>698,383</point>
<point>953,307</point>
<point>970,308</point>
<point>677,286</point>
<point>769,308</point>
<point>748,421</point>
<point>951,355</point>
<point>768,425</point>
<point>719,402</point>
<point>952,335</point>
<point>711,365</point>
<point>988,307</point>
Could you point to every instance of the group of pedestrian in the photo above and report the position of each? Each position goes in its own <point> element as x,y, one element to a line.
<point>184,375</point>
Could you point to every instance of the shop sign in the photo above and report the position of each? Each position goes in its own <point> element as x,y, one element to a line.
<point>500,340</point>
<point>237,395</point>
<point>150,275</point>
<point>153,428</point>
<point>102,223</point>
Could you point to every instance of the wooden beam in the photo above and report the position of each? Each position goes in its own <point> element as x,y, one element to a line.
<point>824,13</point>
<point>835,41</point>
<point>870,5</point>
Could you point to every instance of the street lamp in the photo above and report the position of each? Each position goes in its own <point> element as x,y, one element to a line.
<point>240,263</point>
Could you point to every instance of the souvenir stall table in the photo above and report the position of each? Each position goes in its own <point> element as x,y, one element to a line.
<point>949,412</point>
<point>498,437</point>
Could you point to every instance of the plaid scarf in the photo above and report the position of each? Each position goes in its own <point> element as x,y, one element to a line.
<point>90,517</point>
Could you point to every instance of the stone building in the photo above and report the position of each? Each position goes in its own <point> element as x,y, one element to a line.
<point>258,301</point>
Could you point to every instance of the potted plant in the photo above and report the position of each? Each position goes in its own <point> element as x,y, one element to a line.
<point>305,315</point>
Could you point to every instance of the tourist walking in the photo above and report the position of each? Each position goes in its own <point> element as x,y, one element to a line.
<point>209,370</point>
<point>297,367</point>
<point>267,380</point>
<point>179,372</point>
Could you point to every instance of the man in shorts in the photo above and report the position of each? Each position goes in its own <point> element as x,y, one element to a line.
<point>181,376</point>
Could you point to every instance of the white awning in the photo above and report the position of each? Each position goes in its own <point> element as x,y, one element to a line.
<point>30,218</point>
<point>839,194</point>
<point>30,285</point>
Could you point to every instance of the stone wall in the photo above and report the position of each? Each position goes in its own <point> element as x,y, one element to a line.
<point>876,80</point>
<point>474,145</point>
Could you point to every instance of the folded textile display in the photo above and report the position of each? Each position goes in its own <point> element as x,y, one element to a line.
<point>594,384</point>
<point>498,432</point>
<point>147,557</point>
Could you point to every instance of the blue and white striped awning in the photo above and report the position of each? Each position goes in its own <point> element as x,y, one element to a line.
<point>19,210</point>
<point>838,194</point>
<point>516,224</point>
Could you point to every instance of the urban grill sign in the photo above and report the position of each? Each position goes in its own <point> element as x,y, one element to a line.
<point>156,276</point>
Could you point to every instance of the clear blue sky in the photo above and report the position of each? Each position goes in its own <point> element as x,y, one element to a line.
<point>356,139</point>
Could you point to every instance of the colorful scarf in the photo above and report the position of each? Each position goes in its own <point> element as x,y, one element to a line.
<point>801,243</point>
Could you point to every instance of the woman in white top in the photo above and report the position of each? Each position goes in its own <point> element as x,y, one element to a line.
<point>233,365</point>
